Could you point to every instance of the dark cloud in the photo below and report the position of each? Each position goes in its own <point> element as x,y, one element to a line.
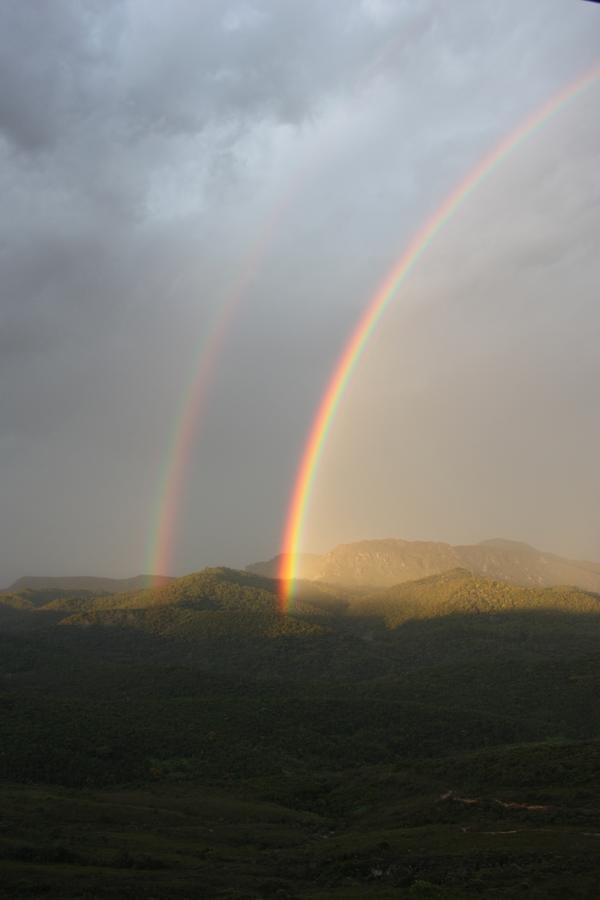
<point>151,153</point>
<point>43,53</point>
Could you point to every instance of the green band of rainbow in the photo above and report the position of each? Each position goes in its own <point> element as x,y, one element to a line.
<point>374,310</point>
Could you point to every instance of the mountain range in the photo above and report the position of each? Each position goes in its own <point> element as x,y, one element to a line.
<point>383,563</point>
<point>88,584</point>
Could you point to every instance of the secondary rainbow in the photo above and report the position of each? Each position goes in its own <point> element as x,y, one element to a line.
<point>170,500</point>
<point>172,483</point>
<point>375,308</point>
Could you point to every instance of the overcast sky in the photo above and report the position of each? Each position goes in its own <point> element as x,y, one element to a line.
<point>152,154</point>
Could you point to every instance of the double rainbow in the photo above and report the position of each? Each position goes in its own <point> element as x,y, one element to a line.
<point>375,308</point>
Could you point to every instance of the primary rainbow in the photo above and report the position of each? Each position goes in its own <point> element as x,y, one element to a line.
<point>375,308</point>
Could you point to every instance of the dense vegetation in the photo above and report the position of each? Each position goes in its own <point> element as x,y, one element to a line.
<point>436,739</point>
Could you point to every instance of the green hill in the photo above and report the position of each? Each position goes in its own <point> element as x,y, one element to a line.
<point>210,605</point>
<point>460,592</point>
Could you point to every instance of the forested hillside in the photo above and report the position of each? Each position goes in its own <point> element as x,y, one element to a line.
<point>436,738</point>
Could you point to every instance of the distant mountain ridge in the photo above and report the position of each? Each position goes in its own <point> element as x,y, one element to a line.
<point>87,584</point>
<point>384,563</point>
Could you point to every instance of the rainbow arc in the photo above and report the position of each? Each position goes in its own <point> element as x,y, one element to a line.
<point>375,309</point>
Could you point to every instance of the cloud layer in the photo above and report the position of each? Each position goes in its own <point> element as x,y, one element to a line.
<point>147,148</point>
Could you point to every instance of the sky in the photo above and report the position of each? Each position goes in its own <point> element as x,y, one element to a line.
<point>172,169</point>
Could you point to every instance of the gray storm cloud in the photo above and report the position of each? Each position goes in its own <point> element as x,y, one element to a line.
<point>144,148</point>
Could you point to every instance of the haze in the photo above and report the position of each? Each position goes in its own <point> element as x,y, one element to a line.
<point>147,148</point>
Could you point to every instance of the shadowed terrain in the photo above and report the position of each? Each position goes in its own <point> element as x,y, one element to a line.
<point>433,739</point>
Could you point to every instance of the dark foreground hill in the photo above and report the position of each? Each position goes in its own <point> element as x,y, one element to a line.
<point>382,563</point>
<point>437,739</point>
